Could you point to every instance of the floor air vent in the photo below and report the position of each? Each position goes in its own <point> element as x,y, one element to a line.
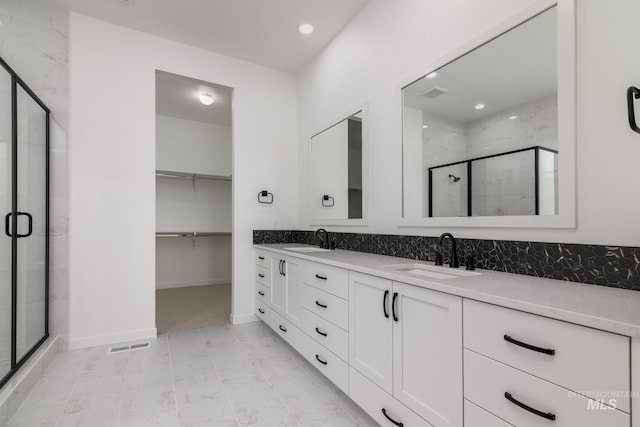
<point>124,348</point>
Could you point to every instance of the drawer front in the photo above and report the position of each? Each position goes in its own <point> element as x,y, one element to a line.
<point>326,362</point>
<point>580,352</point>
<point>263,260</point>
<point>326,333</point>
<point>263,311</point>
<point>263,293</point>
<point>475,416</point>
<point>286,330</point>
<point>326,305</point>
<point>374,400</point>
<point>263,276</point>
<point>330,279</point>
<point>486,381</point>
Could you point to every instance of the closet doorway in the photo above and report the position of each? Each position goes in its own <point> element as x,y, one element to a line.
<point>193,203</point>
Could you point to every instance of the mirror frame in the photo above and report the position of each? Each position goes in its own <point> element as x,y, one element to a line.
<point>364,109</point>
<point>567,101</point>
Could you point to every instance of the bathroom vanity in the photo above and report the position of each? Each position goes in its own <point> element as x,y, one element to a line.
<point>418,345</point>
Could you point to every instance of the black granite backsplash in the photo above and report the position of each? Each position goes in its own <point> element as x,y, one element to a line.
<point>614,266</point>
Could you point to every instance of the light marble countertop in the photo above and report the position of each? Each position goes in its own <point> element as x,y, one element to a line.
<point>608,309</point>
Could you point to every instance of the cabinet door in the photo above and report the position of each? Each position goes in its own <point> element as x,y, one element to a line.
<point>370,328</point>
<point>293,299</point>
<point>278,286</point>
<point>427,345</point>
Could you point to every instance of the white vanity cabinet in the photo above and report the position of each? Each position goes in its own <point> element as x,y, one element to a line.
<point>408,341</point>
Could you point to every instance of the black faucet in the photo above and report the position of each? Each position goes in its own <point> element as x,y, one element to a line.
<point>453,258</point>
<point>325,239</point>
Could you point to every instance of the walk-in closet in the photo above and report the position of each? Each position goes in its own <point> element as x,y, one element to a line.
<point>193,203</point>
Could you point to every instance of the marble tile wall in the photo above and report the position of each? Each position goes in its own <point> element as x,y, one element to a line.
<point>613,266</point>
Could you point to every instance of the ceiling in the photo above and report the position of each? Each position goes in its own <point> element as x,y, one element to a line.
<point>178,96</point>
<point>518,67</point>
<point>259,31</point>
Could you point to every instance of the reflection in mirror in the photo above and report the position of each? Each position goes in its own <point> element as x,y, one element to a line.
<point>480,134</point>
<point>336,171</point>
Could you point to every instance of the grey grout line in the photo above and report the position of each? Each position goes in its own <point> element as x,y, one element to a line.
<point>224,388</point>
<point>173,381</point>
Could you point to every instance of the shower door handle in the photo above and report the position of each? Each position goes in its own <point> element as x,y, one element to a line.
<point>7,224</point>
<point>633,93</point>
<point>30,218</point>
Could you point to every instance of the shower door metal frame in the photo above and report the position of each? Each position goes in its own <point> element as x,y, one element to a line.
<point>15,82</point>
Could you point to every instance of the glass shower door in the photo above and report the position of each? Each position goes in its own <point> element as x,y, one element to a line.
<point>5,208</point>
<point>31,223</point>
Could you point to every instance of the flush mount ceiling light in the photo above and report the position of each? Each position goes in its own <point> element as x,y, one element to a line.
<point>425,126</point>
<point>305,29</point>
<point>206,98</point>
<point>479,106</point>
<point>431,75</point>
<point>513,117</point>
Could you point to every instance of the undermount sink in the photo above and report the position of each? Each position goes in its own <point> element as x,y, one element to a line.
<point>431,271</point>
<point>307,249</point>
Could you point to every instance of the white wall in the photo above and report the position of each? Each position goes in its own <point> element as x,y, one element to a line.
<point>112,162</point>
<point>389,41</point>
<point>193,147</point>
<point>183,261</point>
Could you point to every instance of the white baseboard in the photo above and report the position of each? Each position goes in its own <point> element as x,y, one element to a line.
<point>243,318</point>
<point>189,283</point>
<point>139,334</point>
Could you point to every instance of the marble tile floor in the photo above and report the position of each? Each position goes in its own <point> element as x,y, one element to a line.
<point>222,375</point>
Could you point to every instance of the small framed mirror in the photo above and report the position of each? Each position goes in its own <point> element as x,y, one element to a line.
<point>488,134</point>
<point>338,171</point>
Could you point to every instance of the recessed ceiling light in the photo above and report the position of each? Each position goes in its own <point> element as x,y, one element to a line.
<point>479,106</point>
<point>305,28</point>
<point>432,75</point>
<point>513,117</point>
<point>206,98</point>
<point>425,126</point>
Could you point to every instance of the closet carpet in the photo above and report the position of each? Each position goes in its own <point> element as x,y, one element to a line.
<point>192,307</point>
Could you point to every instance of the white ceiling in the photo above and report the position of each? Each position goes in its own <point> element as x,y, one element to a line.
<point>179,97</point>
<point>516,68</point>
<point>259,31</point>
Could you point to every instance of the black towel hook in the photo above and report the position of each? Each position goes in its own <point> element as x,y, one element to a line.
<point>633,93</point>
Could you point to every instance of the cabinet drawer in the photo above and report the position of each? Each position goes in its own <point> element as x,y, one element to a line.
<point>263,311</point>
<point>263,293</point>
<point>475,416</point>
<point>326,305</point>
<point>487,381</point>
<point>286,330</point>
<point>263,260</point>
<point>374,400</point>
<point>331,279</point>
<point>326,333</point>
<point>263,276</point>
<point>584,359</point>
<point>326,362</point>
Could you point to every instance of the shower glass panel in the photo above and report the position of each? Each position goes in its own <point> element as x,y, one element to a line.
<point>32,191</point>
<point>5,206</point>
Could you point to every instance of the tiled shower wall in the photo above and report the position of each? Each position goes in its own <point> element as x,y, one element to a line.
<point>613,266</point>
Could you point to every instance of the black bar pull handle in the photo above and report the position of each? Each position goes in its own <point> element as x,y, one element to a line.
<point>261,258</point>
<point>282,328</point>
<point>393,306</point>
<point>261,311</point>
<point>260,275</point>
<point>398,423</point>
<point>324,334</point>
<point>30,218</point>
<point>7,224</point>
<point>385,299</point>
<point>321,277</point>
<point>633,93</point>
<point>284,267</point>
<point>548,351</point>
<point>261,293</point>
<point>547,415</point>
<point>324,362</point>
<point>319,304</point>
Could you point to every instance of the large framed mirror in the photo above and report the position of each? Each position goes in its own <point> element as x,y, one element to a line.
<point>488,132</point>
<point>338,171</point>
